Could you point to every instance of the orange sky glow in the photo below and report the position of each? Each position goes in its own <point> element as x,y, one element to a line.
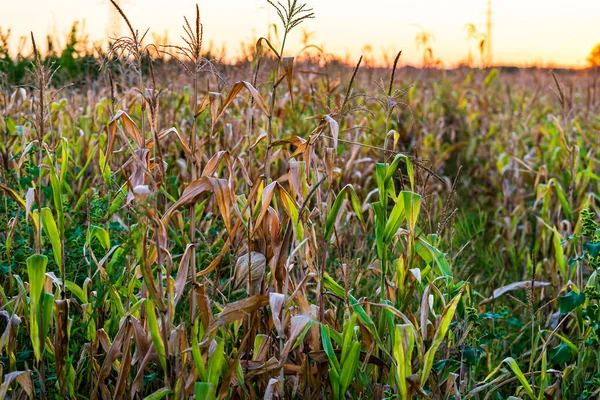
<point>525,32</point>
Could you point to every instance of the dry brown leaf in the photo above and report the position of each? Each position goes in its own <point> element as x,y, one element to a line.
<point>272,391</point>
<point>513,286</point>
<point>182,272</point>
<point>191,193</point>
<point>29,199</point>
<point>257,263</point>
<point>288,67</point>
<point>276,301</point>
<point>235,90</point>
<point>24,379</point>
<point>61,341</point>
<point>130,129</point>
<point>238,310</point>
<point>113,353</point>
<point>297,325</point>
<point>202,106</point>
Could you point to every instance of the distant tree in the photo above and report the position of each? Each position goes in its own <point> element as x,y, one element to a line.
<point>594,57</point>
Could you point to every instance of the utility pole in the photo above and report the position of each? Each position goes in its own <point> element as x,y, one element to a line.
<point>488,42</point>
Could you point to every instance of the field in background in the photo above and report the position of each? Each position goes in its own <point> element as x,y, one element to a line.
<point>295,228</point>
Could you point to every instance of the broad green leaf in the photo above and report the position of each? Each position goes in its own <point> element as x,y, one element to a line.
<point>46,317</point>
<point>337,204</point>
<point>159,394</point>
<point>328,348</point>
<point>51,230</point>
<point>570,301</point>
<point>216,362</point>
<point>558,253</point>
<point>397,216</point>
<point>367,322</point>
<point>520,376</point>
<point>348,337</point>
<point>196,355</point>
<point>332,285</point>
<point>490,77</point>
<point>77,291</point>
<point>36,271</point>
<point>349,367</point>
<point>403,342</point>
<point>155,333</point>
<point>101,234</point>
<point>204,391</point>
<point>412,206</point>
<point>440,334</point>
<point>543,378</point>
<point>430,253</point>
<point>409,168</point>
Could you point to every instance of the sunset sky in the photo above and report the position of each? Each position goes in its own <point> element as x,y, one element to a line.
<point>524,31</point>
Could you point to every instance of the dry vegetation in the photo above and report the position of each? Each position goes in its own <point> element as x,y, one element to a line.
<point>298,228</point>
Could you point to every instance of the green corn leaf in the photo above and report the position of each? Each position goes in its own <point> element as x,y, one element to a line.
<point>560,193</point>
<point>367,322</point>
<point>332,285</point>
<point>205,391</point>
<point>196,355</point>
<point>543,379</point>
<point>77,291</point>
<point>258,341</point>
<point>116,301</point>
<point>337,204</point>
<point>558,253</point>
<point>349,368</point>
<point>334,378</point>
<point>155,333</point>
<point>328,348</point>
<point>101,234</point>
<point>404,341</point>
<point>104,167</point>
<point>36,270</point>
<point>394,221</point>
<point>440,334</point>
<point>380,172</point>
<point>159,394</point>
<point>47,307</point>
<point>412,206</point>
<point>216,362</point>
<point>348,337</point>
<point>409,169</point>
<point>430,254</point>
<point>56,185</point>
<point>51,230</point>
<point>520,376</point>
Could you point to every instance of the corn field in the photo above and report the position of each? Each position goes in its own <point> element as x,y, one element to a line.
<point>291,227</point>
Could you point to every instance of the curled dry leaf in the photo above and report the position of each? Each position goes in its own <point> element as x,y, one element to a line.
<point>513,286</point>
<point>276,301</point>
<point>235,90</point>
<point>257,263</point>
<point>182,272</point>
<point>272,391</point>
<point>238,310</point>
<point>298,324</point>
<point>130,129</point>
<point>24,379</point>
<point>29,199</point>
